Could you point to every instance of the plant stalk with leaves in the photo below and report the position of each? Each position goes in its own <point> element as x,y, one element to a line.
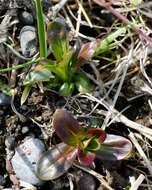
<point>77,142</point>
<point>61,70</point>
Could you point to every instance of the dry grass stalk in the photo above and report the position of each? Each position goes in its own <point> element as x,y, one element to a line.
<point>123,68</point>
<point>137,182</point>
<point>84,13</point>
<point>141,152</point>
<point>119,117</point>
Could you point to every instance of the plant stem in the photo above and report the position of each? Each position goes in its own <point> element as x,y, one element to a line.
<point>41,29</point>
<point>18,66</point>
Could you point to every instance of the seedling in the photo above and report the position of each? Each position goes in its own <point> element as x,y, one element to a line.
<point>81,143</point>
<point>61,70</point>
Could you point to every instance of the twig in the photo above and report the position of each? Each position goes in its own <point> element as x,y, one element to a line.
<point>21,117</point>
<point>58,7</point>
<point>141,152</point>
<point>27,186</point>
<point>124,67</point>
<point>137,183</point>
<point>78,22</point>
<point>84,14</point>
<point>16,52</point>
<point>120,117</point>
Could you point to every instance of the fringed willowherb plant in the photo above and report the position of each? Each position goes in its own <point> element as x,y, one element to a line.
<point>61,70</point>
<point>81,143</point>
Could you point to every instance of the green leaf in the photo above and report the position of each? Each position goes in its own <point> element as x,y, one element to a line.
<point>41,29</point>
<point>106,44</point>
<point>5,88</point>
<point>39,74</point>
<point>25,93</point>
<point>61,69</point>
<point>67,127</point>
<point>93,145</point>
<point>66,89</point>
<point>136,2</point>
<point>114,148</point>
<point>82,82</point>
<point>31,62</point>
<point>57,38</point>
<point>56,161</point>
<point>90,144</point>
<point>87,50</point>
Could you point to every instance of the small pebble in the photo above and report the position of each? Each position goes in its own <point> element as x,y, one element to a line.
<point>86,182</point>
<point>2,180</point>
<point>25,159</point>
<point>25,129</point>
<point>60,184</point>
<point>108,17</point>
<point>4,99</point>
<point>10,142</point>
<point>28,41</point>
<point>26,18</point>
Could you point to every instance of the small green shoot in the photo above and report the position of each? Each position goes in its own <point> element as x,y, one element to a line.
<point>5,88</point>
<point>107,43</point>
<point>63,66</point>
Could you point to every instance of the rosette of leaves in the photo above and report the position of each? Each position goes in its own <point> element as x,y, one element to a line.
<point>79,143</point>
<point>61,71</point>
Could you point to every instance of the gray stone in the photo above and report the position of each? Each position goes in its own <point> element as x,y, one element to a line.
<point>28,41</point>
<point>25,129</point>
<point>10,142</point>
<point>26,18</point>
<point>25,159</point>
<point>86,182</point>
<point>4,99</point>
<point>2,180</point>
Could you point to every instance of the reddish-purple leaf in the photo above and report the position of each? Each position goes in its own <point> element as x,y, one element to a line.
<point>87,50</point>
<point>85,159</point>
<point>114,148</point>
<point>56,161</point>
<point>99,133</point>
<point>66,127</point>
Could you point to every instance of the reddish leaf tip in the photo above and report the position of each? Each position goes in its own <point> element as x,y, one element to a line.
<point>85,159</point>
<point>101,135</point>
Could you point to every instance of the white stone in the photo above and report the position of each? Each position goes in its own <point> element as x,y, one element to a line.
<point>25,159</point>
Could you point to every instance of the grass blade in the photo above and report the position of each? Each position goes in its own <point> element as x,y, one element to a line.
<point>41,29</point>
<point>25,94</point>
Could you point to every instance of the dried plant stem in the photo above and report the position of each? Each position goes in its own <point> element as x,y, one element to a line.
<point>27,186</point>
<point>141,152</point>
<point>84,14</point>
<point>119,117</point>
<point>78,22</point>
<point>137,183</point>
<point>58,7</point>
<point>123,69</point>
